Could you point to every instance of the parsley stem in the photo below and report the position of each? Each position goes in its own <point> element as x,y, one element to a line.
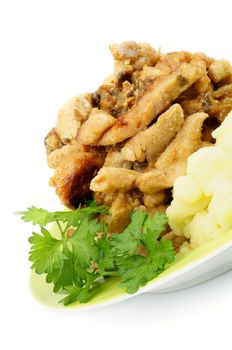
<point>110,273</point>
<point>65,229</point>
<point>60,228</point>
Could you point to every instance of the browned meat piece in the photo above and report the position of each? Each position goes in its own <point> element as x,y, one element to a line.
<point>223,91</point>
<point>153,181</point>
<point>71,116</point>
<point>225,106</point>
<point>173,60</point>
<point>104,198</point>
<point>120,214</point>
<point>122,208</point>
<point>203,84</point>
<point>172,162</point>
<point>114,179</point>
<point>73,176</point>
<point>56,157</point>
<point>152,73</point>
<point>133,197</point>
<point>203,102</point>
<point>208,60</point>
<point>122,205</point>
<point>223,97</point>
<point>150,143</point>
<point>115,159</point>
<point>135,54</point>
<point>158,96</point>
<point>95,126</point>
<point>220,70</point>
<point>52,141</point>
<point>152,200</point>
<point>167,64</point>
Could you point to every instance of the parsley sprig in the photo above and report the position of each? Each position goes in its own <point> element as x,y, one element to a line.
<point>78,262</point>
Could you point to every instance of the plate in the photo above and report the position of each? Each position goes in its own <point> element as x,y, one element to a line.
<point>200,265</point>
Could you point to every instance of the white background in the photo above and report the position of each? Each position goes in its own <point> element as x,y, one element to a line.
<point>49,52</point>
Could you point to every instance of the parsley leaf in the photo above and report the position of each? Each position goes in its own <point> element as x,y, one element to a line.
<point>142,235</point>
<point>79,261</point>
<point>128,241</point>
<point>46,252</point>
<point>42,217</point>
<point>73,218</point>
<point>37,216</point>
<point>155,224</point>
<point>135,272</point>
<point>83,294</point>
<point>65,276</point>
<point>82,241</point>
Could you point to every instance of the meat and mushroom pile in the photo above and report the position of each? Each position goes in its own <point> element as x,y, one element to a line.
<point>125,144</point>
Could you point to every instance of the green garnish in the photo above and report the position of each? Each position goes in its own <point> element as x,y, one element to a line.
<point>82,257</point>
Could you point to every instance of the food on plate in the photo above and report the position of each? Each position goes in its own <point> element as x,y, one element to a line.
<point>85,253</point>
<point>130,139</point>
<point>153,139</point>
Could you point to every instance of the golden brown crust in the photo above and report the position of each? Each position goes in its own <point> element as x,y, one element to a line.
<point>73,176</point>
<point>94,127</point>
<point>59,155</point>
<point>220,70</point>
<point>110,180</point>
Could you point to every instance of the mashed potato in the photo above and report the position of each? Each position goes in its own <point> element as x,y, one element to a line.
<point>202,200</point>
